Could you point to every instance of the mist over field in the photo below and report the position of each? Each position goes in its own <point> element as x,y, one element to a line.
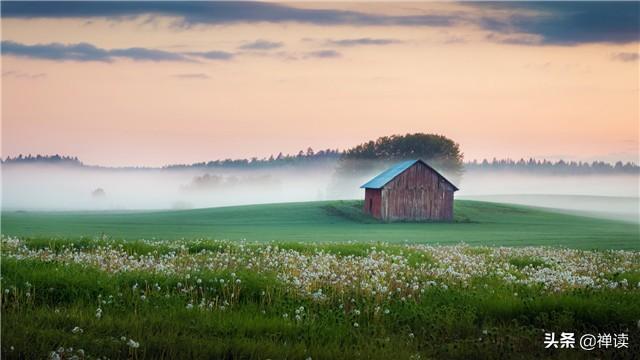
<point>611,196</point>
<point>31,187</point>
<point>34,187</point>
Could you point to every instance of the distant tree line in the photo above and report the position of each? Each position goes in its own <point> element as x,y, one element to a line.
<point>309,157</point>
<point>557,167</point>
<point>378,150</point>
<point>51,159</point>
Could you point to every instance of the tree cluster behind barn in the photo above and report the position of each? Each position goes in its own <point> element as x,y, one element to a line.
<point>410,190</point>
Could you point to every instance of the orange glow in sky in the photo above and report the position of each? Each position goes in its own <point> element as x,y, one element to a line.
<point>306,84</point>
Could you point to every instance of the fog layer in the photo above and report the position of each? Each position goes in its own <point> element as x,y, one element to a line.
<point>54,187</point>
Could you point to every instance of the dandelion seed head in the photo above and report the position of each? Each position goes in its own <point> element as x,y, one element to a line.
<point>133,344</point>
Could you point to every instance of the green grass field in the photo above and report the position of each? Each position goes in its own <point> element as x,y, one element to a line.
<point>314,281</point>
<point>478,223</point>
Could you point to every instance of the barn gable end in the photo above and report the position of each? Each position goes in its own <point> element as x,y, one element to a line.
<point>411,190</point>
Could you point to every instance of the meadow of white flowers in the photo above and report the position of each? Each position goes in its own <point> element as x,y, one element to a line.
<point>112,297</point>
<point>382,272</point>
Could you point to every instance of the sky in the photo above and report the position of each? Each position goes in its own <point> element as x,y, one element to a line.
<point>156,83</point>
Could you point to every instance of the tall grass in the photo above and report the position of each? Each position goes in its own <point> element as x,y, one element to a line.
<point>254,315</point>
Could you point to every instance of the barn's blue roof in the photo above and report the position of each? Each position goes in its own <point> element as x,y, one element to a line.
<point>384,177</point>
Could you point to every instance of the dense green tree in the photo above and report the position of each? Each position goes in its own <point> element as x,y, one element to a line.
<point>371,157</point>
<point>437,150</point>
<point>409,146</point>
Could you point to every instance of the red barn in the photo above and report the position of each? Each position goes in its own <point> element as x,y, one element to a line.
<point>410,190</point>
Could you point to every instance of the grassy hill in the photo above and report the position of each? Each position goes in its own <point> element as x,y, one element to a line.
<point>478,223</point>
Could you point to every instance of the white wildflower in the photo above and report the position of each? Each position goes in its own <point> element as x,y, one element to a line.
<point>133,344</point>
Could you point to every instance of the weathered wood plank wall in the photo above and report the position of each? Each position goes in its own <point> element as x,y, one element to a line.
<point>417,194</point>
<point>373,202</point>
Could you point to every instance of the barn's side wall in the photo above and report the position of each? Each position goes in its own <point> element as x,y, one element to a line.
<point>417,194</point>
<point>372,202</point>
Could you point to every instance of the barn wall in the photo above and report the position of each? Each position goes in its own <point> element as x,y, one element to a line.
<point>372,202</point>
<point>417,194</point>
